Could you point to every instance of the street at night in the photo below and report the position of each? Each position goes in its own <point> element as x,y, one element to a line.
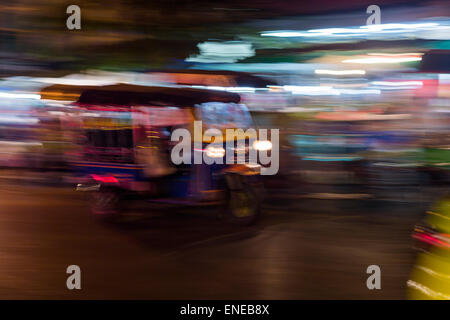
<point>319,252</point>
<point>215,158</point>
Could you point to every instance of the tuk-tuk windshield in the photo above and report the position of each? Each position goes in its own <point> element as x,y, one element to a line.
<point>107,136</point>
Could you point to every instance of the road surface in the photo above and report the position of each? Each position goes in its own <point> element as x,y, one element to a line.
<point>301,249</point>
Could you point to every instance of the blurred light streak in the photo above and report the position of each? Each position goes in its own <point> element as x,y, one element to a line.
<point>19,95</point>
<point>326,90</point>
<point>312,90</point>
<point>434,273</point>
<point>427,291</point>
<point>262,145</point>
<point>339,72</point>
<point>370,60</point>
<point>398,83</point>
<point>400,26</point>
<point>395,54</point>
<point>20,143</point>
<point>105,179</point>
<point>215,152</point>
<point>359,91</point>
<point>230,89</point>
<point>77,81</point>
<point>428,30</point>
<point>226,52</point>
<point>18,120</point>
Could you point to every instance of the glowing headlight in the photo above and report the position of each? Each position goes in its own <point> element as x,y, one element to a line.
<point>262,145</point>
<point>215,152</point>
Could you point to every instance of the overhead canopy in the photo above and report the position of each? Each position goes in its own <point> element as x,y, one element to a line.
<point>127,95</point>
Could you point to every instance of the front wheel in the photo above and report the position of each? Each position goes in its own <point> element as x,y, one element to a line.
<point>242,199</point>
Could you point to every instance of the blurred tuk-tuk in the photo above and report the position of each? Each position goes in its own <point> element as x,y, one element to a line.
<point>125,145</point>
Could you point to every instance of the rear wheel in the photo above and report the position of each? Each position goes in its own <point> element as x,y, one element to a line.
<point>242,202</point>
<point>106,203</point>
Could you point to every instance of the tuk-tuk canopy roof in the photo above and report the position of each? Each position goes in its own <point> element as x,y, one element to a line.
<point>128,95</point>
<point>63,92</point>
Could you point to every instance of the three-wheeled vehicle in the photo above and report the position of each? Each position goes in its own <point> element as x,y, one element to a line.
<point>125,139</point>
